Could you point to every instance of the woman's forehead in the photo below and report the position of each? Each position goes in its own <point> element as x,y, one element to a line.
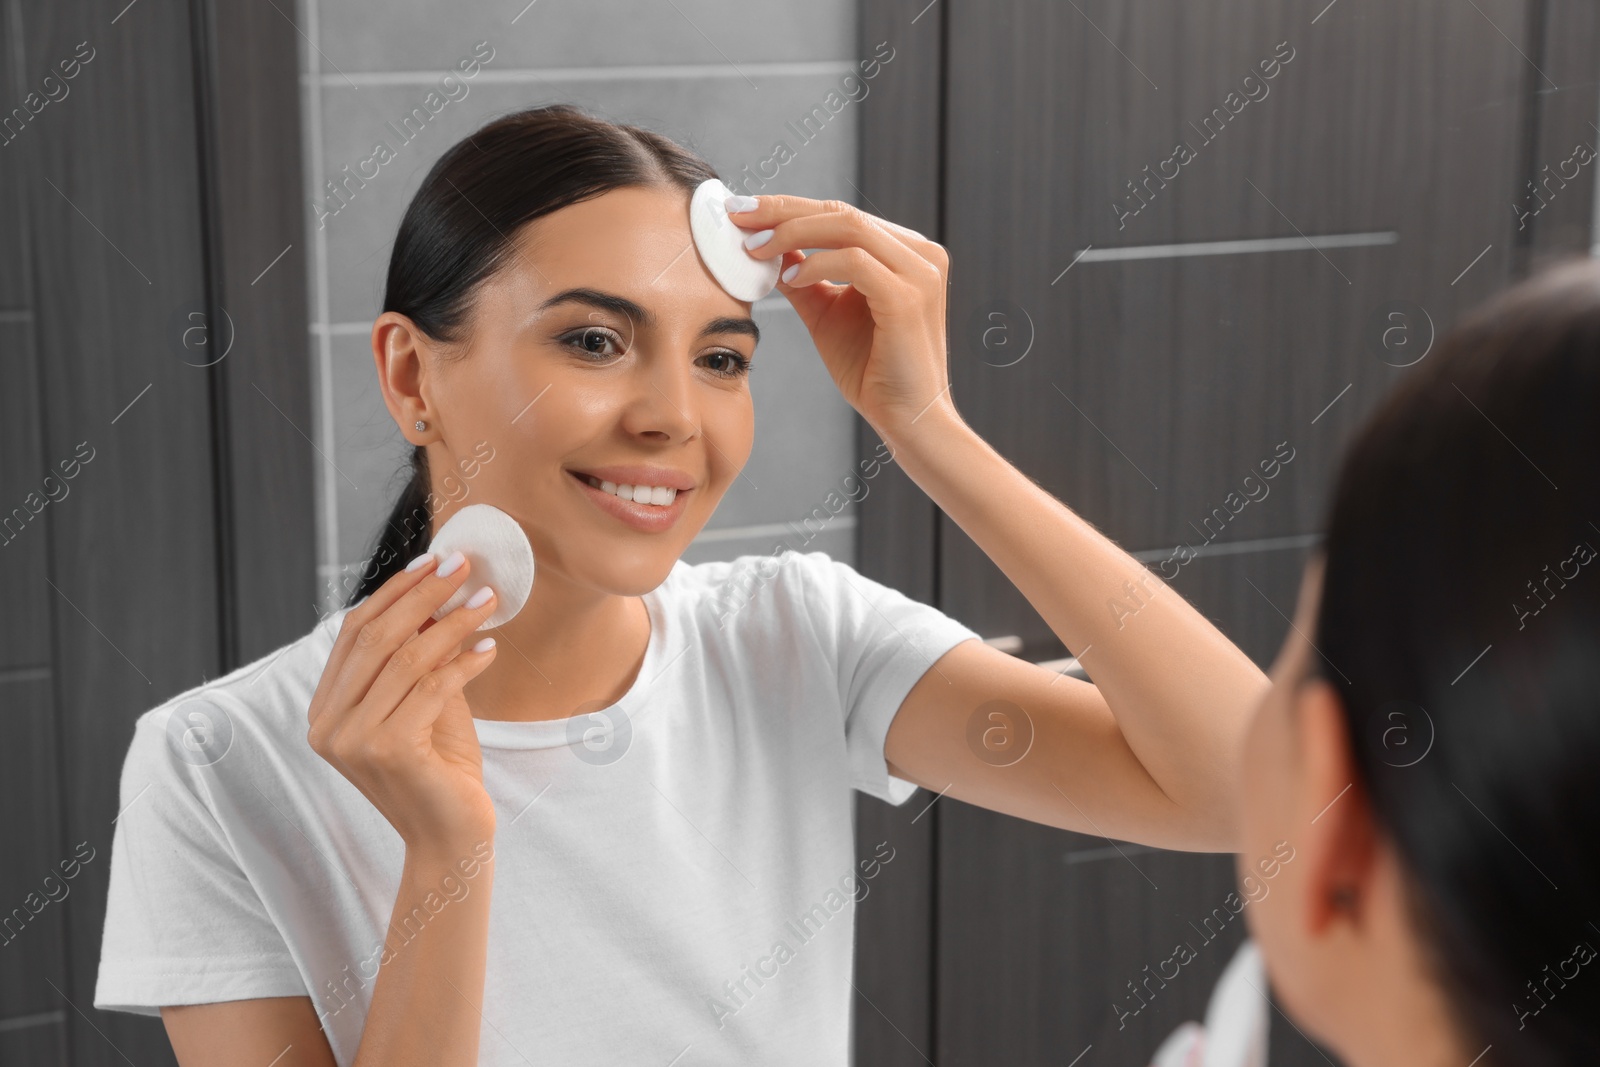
<point>633,241</point>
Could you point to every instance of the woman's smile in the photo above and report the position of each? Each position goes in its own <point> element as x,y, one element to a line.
<point>653,505</point>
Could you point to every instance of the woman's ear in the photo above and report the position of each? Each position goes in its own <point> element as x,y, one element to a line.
<point>397,350</point>
<point>1341,838</point>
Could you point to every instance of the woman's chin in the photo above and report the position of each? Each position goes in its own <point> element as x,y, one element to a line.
<point>623,570</point>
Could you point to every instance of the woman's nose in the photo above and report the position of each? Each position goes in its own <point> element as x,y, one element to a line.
<point>663,400</point>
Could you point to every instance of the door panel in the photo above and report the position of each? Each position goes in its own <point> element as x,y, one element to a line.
<point>1054,108</point>
<point>1078,927</point>
<point>1171,400</point>
<point>1169,352</point>
<point>177,541</point>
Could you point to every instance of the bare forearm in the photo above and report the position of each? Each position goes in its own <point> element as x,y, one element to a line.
<point>426,1003</point>
<point>1181,692</point>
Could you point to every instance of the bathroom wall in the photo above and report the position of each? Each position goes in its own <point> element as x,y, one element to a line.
<point>729,88</point>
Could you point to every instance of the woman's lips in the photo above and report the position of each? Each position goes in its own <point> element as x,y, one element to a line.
<point>651,518</point>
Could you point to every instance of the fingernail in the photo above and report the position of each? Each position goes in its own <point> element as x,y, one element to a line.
<point>483,646</point>
<point>756,240</point>
<point>789,274</point>
<point>450,564</point>
<point>736,204</point>
<point>480,598</point>
<point>420,561</point>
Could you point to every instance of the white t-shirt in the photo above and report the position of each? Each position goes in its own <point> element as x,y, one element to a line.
<point>675,876</point>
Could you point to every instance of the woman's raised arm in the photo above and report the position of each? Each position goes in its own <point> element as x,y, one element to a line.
<point>1154,746</point>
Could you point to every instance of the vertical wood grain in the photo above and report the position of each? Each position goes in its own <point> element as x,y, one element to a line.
<point>901,129</point>
<point>156,192</point>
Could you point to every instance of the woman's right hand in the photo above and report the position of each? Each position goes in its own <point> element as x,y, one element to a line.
<point>390,715</point>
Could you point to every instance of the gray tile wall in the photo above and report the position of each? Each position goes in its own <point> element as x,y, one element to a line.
<point>724,80</point>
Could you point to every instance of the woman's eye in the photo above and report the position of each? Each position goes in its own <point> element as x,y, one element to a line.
<point>733,364</point>
<point>591,340</point>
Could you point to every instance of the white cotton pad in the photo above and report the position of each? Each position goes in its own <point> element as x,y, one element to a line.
<point>721,245</point>
<point>501,558</point>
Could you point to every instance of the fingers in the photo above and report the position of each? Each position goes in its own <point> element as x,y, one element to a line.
<point>839,229</point>
<point>906,233</point>
<point>368,643</point>
<point>799,222</point>
<point>883,289</point>
<point>381,599</point>
<point>370,753</point>
<point>424,654</point>
<point>433,691</point>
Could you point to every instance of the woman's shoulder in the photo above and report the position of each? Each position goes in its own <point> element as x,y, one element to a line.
<point>784,596</point>
<point>792,591</point>
<point>788,565</point>
<point>763,581</point>
<point>265,699</point>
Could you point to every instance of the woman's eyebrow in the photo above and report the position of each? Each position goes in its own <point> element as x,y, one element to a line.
<point>747,327</point>
<point>621,305</point>
<point>641,315</point>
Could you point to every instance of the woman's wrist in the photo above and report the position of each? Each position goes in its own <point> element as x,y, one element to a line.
<point>425,1005</point>
<point>937,423</point>
<point>925,443</point>
<point>446,830</point>
<point>459,854</point>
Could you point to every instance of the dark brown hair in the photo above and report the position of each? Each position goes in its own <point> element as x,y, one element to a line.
<point>1460,622</point>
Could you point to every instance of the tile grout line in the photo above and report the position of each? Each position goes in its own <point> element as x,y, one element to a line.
<point>526,75</point>
<point>328,520</point>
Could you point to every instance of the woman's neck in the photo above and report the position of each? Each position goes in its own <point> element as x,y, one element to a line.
<point>1394,1013</point>
<point>570,649</point>
<point>1397,1041</point>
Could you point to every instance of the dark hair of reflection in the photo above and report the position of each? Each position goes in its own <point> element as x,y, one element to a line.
<point>1458,522</point>
<point>457,232</point>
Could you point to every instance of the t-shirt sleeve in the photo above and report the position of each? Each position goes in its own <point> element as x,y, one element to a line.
<point>881,641</point>
<point>184,925</point>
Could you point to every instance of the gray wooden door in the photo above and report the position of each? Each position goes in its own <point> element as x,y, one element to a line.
<point>1192,242</point>
<point>154,473</point>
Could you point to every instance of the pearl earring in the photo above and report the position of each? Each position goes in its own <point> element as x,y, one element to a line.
<point>421,425</point>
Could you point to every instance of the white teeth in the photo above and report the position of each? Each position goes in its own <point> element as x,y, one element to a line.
<point>659,495</point>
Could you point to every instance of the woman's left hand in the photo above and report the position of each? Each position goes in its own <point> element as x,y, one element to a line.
<point>881,330</point>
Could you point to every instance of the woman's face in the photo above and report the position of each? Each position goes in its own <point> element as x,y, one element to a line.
<point>604,351</point>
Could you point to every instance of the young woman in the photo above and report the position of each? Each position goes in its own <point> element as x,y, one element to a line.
<point>622,833</point>
<point>1429,743</point>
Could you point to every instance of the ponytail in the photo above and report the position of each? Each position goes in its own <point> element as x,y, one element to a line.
<point>406,533</point>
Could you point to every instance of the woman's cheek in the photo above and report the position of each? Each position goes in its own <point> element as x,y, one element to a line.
<point>1250,799</point>
<point>731,428</point>
<point>1264,820</point>
<point>1261,765</point>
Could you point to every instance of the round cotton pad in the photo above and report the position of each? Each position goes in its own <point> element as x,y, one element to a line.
<point>721,245</point>
<point>501,558</point>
